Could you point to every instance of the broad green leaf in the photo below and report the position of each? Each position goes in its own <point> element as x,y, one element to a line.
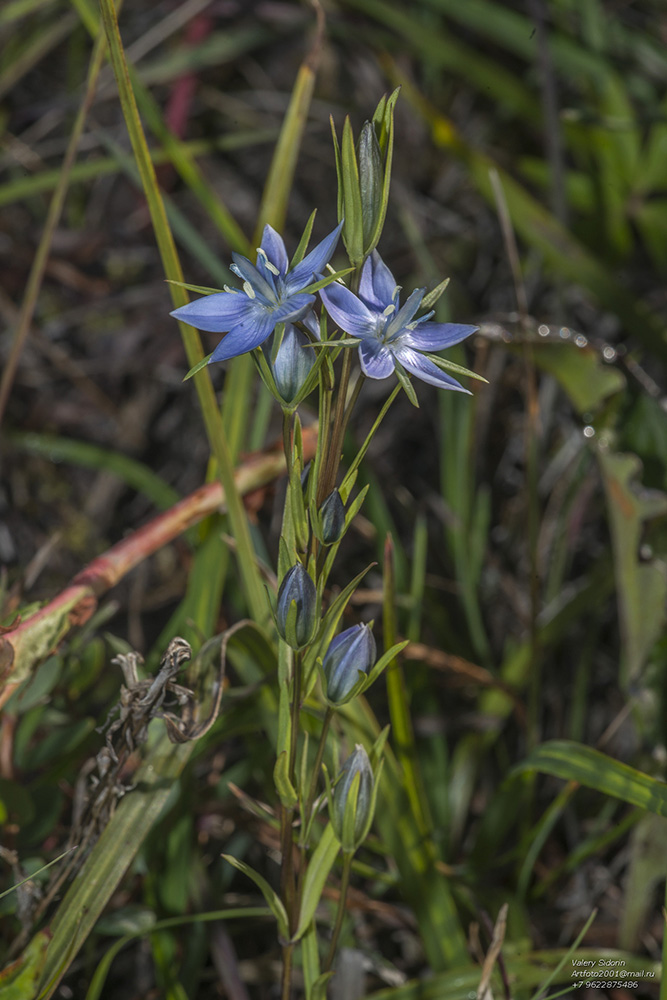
<point>581,372</point>
<point>647,868</point>
<point>577,762</point>
<point>18,981</point>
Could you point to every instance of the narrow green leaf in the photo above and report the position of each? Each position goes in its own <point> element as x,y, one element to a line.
<point>450,366</point>
<point>353,228</point>
<point>245,551</point>
<point>198,367</point>
<point>406,383</point>
<point>270,895</point>
<point>323,282</point>
<point>300,251</point>
<point>198,289</point>
<point>286,790</point>
<point>317,874</point>
<point>432,297</point>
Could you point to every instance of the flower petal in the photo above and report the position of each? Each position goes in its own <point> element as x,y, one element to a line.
<point>215,313</point>
<point>312,324</point>
<point>273,246</point>
<point>314,262</point>
<point>435,336</point>
<point>293,308</point>
<point>377,361</point>
<point>377,283</point>
<point>424,369</point>
<point>399,322</point>
<point>248,272</point>
<point>245,337</point>
<point>349,312</point>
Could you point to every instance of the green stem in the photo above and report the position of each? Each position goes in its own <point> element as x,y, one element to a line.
<point>328,480</point>
<point>287,441</point>
<point>308,807</point>
<point>344,883</point>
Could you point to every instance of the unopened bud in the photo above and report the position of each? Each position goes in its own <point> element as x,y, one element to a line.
<point>296,611</point>
<point>293,362</point>
<point>371,176</point>
<point>350,654</point>
<point>353,800</point>
<point>332,518</point>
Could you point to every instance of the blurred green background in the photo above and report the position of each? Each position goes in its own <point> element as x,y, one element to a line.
<point>528,522</point>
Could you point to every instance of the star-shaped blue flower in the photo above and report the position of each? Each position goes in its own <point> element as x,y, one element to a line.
<point>388,332</point>
<point>272,293</point>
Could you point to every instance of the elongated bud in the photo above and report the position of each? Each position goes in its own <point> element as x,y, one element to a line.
<point>332,518</point>
<point>364,175</point>
<point>296,612</point>
<point>293,362</point>
<point>353,800</point>
<point>350,654</point>
<point>371,176</point>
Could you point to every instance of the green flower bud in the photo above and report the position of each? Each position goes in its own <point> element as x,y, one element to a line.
<point>297,614</point>
<point>370,180</point>
<point>353,801</point>
<point>364,174</point>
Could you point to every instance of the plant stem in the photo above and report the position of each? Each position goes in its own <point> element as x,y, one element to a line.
<point>328,480</point>
<point>287,441</point>
<point>288,954</point>
<point>345,881</point>
<point>308,807</point>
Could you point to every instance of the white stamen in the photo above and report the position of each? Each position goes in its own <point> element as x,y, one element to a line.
<point>389,311</point>
<point>232,291</point>
<point>267,263</point>
<point>248,289</point>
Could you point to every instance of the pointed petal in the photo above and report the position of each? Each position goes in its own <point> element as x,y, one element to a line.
<point>312,324</point>
<point>424,369</point>
<point>314,262</point>
<point>349,312</point>
<point>435,336</point>
<point>267,275</point>
<point>274,247</point>
<point>244,337</point>
<point>377,283</point>
<point>377,361</point>
<point>248,272</point>
<point>405,314</point>
<point>215,313</point>
<point>293,308</point>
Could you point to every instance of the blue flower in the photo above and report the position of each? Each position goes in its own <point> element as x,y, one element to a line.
<point>272,293</point>
<point>388,332</point>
